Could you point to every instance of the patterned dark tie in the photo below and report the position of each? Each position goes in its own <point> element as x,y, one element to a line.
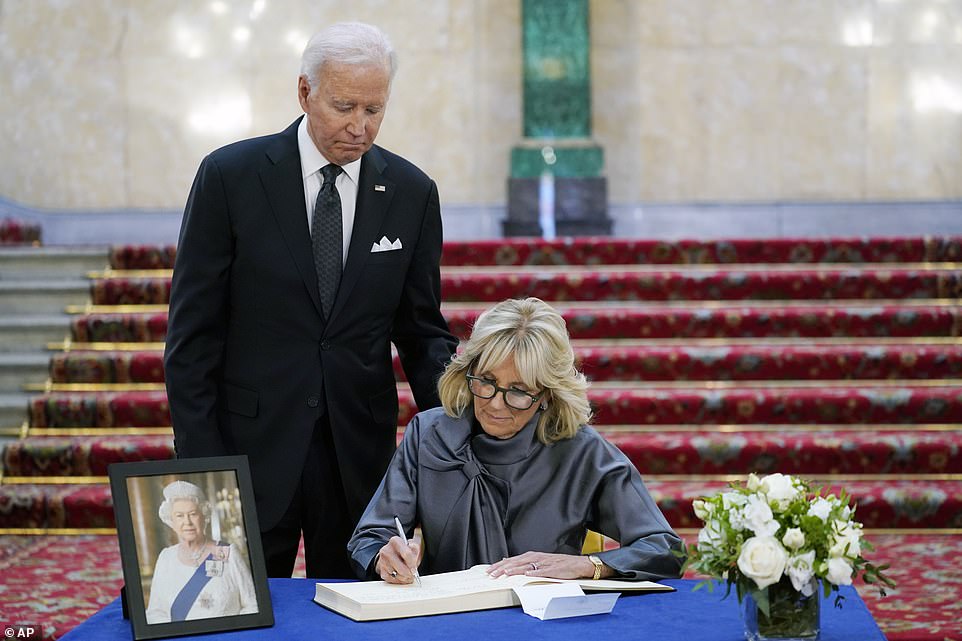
<point>327,238</point>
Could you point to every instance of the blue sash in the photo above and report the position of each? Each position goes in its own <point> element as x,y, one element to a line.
<point>188,594</point>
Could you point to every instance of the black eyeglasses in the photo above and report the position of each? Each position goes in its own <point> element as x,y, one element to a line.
<point>513,398</point>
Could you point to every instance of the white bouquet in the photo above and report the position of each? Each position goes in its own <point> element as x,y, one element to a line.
<point>776,527</point>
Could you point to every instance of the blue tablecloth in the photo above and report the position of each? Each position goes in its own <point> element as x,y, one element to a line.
<point>683,615</point>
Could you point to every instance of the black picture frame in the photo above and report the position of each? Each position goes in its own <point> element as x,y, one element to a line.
<point>230,525</point>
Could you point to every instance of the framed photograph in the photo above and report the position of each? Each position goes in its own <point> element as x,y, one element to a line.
<point>190,546</point>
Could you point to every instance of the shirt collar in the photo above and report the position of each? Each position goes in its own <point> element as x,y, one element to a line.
<point>312,160</point>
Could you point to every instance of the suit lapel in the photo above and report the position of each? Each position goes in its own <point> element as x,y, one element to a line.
<point>282,181</point>
<point>369,214</point>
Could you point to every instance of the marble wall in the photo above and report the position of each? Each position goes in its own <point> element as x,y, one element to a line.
<point>112,103</point>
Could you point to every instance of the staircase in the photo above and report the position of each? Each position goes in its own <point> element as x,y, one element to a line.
<point>36,286</point>
<point>839,360</point>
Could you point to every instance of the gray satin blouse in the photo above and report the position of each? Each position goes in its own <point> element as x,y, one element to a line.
<point>479,499</point>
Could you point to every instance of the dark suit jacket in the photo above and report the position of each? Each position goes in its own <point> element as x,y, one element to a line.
<point>251,363</point>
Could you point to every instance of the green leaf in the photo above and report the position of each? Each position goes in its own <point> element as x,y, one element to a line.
<point>761,601</point>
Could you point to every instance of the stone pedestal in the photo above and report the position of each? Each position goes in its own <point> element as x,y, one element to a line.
<point>581,207</point>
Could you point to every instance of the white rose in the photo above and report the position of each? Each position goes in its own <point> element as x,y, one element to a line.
<point>758,516</point>
<point>794,538</point>
<point>701,511</point>
<point>763,560</point>
<point>820,508</point>
<point>780,488</point>
<point>800,571</point>
<point>753,483</point>
<point>839,571</point>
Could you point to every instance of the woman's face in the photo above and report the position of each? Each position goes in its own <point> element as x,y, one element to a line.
<point>496,417</point>
<point>188,520</point>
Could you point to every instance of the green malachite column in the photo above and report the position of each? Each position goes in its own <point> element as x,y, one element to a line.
<point>557,124</point>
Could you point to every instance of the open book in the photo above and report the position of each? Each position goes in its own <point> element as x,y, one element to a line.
<point>462,591</point>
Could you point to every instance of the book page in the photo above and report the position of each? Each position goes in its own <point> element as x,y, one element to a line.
<point>433,586</point>
<point>471,581</point>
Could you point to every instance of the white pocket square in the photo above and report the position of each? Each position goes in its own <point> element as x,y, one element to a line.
<point>385,245</point>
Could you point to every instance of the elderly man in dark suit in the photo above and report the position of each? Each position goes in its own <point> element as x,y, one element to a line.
<point>302,256</point>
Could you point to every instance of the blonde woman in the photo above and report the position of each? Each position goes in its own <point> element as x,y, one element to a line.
<point>507,472</point>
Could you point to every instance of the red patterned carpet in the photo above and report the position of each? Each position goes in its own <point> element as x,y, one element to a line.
<point>19,232</point>
<point>602,251</point>
<point>631,361</point>
<point>925,604</point>
<point>57,581</point>
<point>606,321</point>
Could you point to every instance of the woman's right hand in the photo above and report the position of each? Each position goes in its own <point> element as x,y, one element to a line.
<point>396,562</point>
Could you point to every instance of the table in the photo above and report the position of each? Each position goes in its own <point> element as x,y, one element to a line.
<point>683,615</point>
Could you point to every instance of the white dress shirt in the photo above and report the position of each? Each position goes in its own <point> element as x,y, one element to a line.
<point>346,183</point>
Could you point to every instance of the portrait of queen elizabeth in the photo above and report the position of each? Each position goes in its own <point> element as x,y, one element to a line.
<point>198,577</point>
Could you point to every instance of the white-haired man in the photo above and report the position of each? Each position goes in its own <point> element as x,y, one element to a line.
<point>302,256</point>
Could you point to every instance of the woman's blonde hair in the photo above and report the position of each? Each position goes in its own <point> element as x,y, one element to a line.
<point>534,335</point>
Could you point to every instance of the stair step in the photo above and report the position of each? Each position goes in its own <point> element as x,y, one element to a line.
<point>887,503</point>
<point>651,404</point>
<point>610,251</point>
<point>811,453</point>
<point>628,285</point>
<point>609,321</point>
<point>56,506</point>
<point>614,251</point>
<point>42,296</point>
<point>802,453</point>
<point>13,409</point>
<point>31,263</point>
<point>32,331</point>
<point>726,319</point>
<point>82,455</point>
<point>609,363</point>
<point>20,368</point>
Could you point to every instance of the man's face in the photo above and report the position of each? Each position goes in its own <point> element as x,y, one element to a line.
<point>345,110</point>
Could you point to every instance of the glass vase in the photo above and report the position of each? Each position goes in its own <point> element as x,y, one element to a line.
<point>790,614</point>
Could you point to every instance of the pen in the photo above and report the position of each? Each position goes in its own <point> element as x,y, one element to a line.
<point>404,539</point>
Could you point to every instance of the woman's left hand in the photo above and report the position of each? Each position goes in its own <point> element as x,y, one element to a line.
<point>555,566</point>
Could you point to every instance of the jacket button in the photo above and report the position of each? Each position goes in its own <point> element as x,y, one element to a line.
<point>312,401</point>
<point>325,345</point>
